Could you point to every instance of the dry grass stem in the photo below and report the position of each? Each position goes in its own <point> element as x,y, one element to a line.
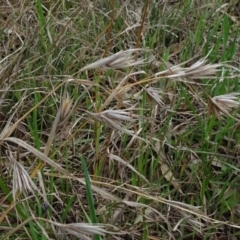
<point>118,159</point>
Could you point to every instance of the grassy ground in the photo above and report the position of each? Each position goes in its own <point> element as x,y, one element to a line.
<point>141,145</point>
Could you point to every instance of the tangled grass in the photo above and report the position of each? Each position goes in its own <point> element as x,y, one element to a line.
<point>119,119</point>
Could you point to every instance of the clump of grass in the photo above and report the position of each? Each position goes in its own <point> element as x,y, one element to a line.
<point>122,119</point>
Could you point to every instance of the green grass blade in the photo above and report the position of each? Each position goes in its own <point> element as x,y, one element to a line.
<point>89,195</point>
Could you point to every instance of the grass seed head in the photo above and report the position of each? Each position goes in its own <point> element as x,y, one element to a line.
<point>66,106</point>
<point>222,104</point>
<point>122,59</point>
<point>115,118</point>
<point>83,230</point>
<point>21,179</point>
<point>154,93</point>
<point>201,69</point>
<point>198,70</point>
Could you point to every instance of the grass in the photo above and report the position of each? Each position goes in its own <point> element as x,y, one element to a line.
<point>102,144</point>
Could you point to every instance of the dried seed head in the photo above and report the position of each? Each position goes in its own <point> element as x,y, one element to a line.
<point>21,180</point>
<point>115,118</point>
<point>222,104</point>
<point>154,93</point>
<point>198,70</point>
<point>65,107</point>
<point>118,60</point>
<point>83,230</point>
<point>201,69</point>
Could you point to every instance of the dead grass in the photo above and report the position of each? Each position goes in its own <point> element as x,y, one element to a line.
<point>147,94</point>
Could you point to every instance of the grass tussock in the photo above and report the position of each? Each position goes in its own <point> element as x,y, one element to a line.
<point>119,119</point>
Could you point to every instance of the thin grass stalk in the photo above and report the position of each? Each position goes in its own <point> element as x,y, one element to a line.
<point>109,29</point>
<point>144,12</point>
